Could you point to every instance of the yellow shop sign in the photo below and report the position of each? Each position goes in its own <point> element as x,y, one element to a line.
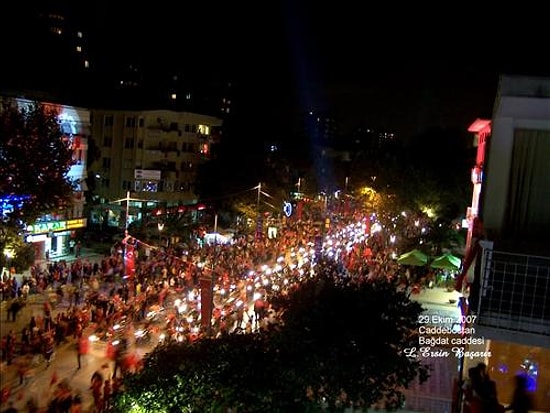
<point>55,226</point>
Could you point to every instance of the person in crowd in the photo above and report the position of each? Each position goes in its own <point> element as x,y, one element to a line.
<point>472,403</point>
<point>486,390</point>
<point>82,347</point>
<point>521,399</point>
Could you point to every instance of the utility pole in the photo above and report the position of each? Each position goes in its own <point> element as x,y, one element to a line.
<point>127,212</point>
<point>259,223</point>
<point>258,199</point>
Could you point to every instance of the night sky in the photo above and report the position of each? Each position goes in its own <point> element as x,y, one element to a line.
<point>369,64</point>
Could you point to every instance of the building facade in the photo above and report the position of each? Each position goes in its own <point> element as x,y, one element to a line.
<point>506,275</point>
<point>148,159</point>
<point>56,234</point>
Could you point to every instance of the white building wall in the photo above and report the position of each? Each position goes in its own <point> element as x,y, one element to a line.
<point>511,113</point>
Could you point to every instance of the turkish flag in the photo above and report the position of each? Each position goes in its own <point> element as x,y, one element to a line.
<point>299,210</point>
<point>130,260</point>
<point>206,284</point>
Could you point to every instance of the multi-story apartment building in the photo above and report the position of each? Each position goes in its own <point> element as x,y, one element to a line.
<point>55,234</point>
<point>149,158</point>
<point>506,274</point>
<point>57,59</point>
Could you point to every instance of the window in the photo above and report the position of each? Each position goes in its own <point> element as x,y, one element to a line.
<point>204,129</point>
<point>130,122</point>
<point>108,120</point>
<point>106,163</point>
<point>79,35</point>
<point>141,122</point>
<point>140,144</point>
<point>129,143</point>
<point>86,64</point>
<point>128,164</point>
<point>107,141</point>
<point>186,166</point>
<point>149,186</point>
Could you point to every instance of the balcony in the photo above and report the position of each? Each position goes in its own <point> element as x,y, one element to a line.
<point>514,295</point>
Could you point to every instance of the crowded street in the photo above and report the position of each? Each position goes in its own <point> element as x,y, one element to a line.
<point>83,324</point>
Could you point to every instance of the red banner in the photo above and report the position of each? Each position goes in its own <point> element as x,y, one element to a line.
<point>129,258</point>
<point>299,210</point>
<point>206,284</point>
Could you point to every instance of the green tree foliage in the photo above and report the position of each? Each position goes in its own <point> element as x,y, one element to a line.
<point>357,332</point>
<point>339,343</point>
<point>35,157</point>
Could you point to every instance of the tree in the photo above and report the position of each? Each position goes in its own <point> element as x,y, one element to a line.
<point>346,340</point>
<point>339,343</point>
<point>35,157</point>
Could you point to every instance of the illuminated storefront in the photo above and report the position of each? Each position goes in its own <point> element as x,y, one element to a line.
<point>53,238</point>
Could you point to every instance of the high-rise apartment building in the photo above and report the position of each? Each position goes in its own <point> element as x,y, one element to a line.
<point>48,49</point>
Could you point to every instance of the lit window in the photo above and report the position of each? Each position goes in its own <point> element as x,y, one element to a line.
<point>86,64</point>
<point>78,48</point>
<point>79,35</point>
<point>173,96</point>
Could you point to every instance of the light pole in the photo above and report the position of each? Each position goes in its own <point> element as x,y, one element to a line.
<point>258,198</point>
<point>160,226</point>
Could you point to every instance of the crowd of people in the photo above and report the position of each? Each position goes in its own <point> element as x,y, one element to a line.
<point>481,396</point>
<point>164,294</point>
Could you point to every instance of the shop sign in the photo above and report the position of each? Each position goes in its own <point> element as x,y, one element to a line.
<point>46,227</point>
<point>55,226</point>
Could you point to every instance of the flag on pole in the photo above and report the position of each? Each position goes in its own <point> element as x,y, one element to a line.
<point>129,256</point>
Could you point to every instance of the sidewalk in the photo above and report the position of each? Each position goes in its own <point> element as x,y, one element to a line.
<point>41,383</point>
<point>86,254</point>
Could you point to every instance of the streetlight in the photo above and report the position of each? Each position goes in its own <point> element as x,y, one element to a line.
<point>160,226</point>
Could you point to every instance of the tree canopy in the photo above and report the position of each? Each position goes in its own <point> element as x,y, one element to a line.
<point>35,158</point>
<point>339,343</point>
